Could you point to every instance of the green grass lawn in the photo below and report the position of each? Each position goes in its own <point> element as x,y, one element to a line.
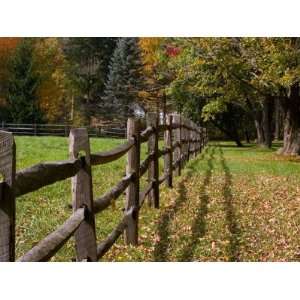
<point>230,204</point>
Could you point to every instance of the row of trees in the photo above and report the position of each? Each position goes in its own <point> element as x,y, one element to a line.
<point>243,87</point>
<point>52,79</point>
<point>77,80</point>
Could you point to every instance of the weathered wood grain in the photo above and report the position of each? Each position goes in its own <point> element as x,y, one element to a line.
<point>153,172</point>
<point>7,198</point>
<point>46,248</point>
<point>145,164</point>
<point>43,174</point>
<point>178,143</point>
<point>82,196</point>
<point>109,156</point>
<point>168,159</point>
<point>144,136</point>
<point>162,179</point>
<point>133,190</point>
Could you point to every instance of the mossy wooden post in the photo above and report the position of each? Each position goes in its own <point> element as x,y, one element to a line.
<point>7,198</point>
<point>133,190</point>
<point>177,139</point>
<point>82,196</point>
<point>153,172</point>
<point>168,159</point>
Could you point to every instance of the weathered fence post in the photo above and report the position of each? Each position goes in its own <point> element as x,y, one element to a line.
<point>82,196</point>
<point>153,172</point>
<point>168,161</point>
<point>183,141</point>
<point>177,139</point>
<point>7,198</point>
<point>133,190</point>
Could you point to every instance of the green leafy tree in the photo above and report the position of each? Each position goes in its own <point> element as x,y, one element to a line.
<point>223,71</point>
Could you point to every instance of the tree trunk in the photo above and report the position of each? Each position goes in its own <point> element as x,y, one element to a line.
<point>291,133</point>
<point>268,107</point>
<point>256,115</point>
<point>259,131</point>
<point>277,120</point>
<point>247,136</point>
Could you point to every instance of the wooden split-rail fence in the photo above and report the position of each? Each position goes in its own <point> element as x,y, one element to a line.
<point>182,140</point>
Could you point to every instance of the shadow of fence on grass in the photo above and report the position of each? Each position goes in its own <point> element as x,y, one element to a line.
<point>162,247</point>
<point>199,224</point>
<point>231,220</point>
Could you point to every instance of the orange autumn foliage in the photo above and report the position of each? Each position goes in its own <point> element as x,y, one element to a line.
<point>150,58</point>
<point>54,99</point>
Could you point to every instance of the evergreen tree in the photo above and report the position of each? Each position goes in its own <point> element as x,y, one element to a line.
<point>22,86</point>
<point>88,59</point>
<point>124,81</point>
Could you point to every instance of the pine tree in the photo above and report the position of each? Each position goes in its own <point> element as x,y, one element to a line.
<point>22,86</point>
<point>88,60</point>
<point>124,82</point>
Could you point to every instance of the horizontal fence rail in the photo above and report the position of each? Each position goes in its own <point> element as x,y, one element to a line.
<point>183,140</point>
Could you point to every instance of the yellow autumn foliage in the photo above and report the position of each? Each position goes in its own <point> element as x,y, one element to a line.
<point>53,95</point>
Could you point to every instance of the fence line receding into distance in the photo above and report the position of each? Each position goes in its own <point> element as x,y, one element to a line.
<point>182,140</point>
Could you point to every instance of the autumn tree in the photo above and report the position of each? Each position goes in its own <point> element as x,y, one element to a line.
<point>53,91</point>
<point>153,97</point>
<point>227,71</point>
